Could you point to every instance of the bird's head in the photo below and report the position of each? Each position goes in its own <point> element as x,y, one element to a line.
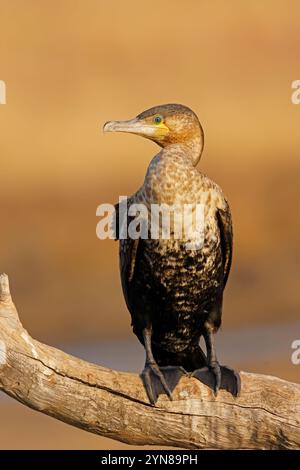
<point>166,125</point>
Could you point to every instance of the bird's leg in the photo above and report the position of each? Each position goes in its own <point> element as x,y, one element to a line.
<point>204,374</point>
<point>213,363</point>
<point>225,377</point>
<point>151,367</point>
<point>217,376</point>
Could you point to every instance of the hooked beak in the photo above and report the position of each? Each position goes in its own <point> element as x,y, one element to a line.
<point>133,126</point>
<point>139,127</point>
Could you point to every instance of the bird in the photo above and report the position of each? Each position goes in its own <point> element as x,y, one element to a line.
<point>175,294</point>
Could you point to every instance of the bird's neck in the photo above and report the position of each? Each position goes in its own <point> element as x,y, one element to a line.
<point>192,149</point>
<point>191,143</point>
<point>195,146</point>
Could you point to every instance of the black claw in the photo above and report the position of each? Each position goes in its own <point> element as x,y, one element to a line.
<point>160,376</point>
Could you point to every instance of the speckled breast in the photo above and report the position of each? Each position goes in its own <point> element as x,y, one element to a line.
<point>178,288</point>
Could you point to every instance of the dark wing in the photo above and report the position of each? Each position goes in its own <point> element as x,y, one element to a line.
<point>128,253</point>
<point>225,227</point>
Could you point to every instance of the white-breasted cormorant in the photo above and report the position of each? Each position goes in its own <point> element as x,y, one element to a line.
<point>174,294</point>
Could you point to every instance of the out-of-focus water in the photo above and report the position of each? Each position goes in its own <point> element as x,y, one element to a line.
<point>233,346</point>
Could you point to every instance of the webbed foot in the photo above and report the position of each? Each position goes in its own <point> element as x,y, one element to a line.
<point>219,377</point>
<point>158,380</point>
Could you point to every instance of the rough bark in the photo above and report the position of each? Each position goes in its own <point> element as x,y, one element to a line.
<point>113,404</point>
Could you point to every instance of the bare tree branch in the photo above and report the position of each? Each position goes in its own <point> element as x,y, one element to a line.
<point>113,404</point>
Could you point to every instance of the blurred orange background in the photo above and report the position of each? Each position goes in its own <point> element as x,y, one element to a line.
<point>71,65</point>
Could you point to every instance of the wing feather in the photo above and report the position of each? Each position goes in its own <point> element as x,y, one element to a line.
<point>128,253</point>
<point>226,233</point>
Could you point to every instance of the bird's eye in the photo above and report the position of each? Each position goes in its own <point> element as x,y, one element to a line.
<point>157,119</point>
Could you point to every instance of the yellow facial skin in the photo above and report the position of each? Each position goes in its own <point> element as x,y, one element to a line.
<point>160,129</point>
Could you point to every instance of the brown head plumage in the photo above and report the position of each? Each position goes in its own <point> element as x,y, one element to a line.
<point>166,124</point>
